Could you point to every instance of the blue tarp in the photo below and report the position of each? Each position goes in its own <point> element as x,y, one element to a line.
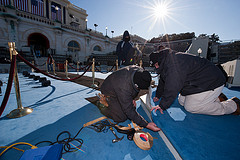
<point>95,145</point>
<point>63,107</point>
<point>202,136</point>
<point>53,152</point>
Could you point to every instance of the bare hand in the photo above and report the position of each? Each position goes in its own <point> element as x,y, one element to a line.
<point>155,99</point>
<point>157,108</point>
<point>134,103</point>
<point>152,126</point>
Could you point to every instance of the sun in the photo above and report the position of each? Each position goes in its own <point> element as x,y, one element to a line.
<point>160,11</point>
<point>159,14</point>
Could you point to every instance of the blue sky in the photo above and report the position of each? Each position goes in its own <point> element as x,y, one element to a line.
<point>137,16</point>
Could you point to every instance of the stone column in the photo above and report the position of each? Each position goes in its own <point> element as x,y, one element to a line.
<point>11,3</point>
<point>66,14</point>
<point>45,9</point>
<point>29,6</point>
<point>87,41</point>
<point>13,31</point>
<point>62,13</point>
<point>49,8</point>
<point>58,41</point>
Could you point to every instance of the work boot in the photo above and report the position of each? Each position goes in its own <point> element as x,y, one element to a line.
<point>237,101</point>
<point>222,97</point>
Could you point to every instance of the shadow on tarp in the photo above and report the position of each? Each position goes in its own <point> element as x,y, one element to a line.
<point>43,101</point>
<point>202,136</point>
<point>95,145</point>
<point>235,89</point>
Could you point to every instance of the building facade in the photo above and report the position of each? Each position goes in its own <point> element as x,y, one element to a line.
<point>39,27</point>
<point>228,51</point>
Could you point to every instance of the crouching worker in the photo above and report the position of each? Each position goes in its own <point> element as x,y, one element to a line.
<point>199,82</point>
<point>120,89</point>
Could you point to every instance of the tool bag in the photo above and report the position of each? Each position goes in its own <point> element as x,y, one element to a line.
<point>103,99</point>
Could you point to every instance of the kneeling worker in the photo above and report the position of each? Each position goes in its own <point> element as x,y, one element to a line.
<point>199,82</point>
<point>120,89</point>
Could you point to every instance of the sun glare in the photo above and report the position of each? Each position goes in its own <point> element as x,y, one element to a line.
<point>161,11</point>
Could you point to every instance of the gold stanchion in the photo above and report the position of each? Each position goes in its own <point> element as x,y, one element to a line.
<point>77,67</point>
<point>20,111</point>
<point>54,72</point>
<point>93,73</point>
<point>116,64</point>
<point>32,68</point>
<point>141,63</point>
<point>66,68</point>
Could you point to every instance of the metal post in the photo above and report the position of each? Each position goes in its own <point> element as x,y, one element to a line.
<point>54,72</point>
<point>66,69</point>
<point>106,30</point>
<point>199,51</point>
<point>47,67</point>
<point>77,67</point>
<point>32,68</point>
<point>141,63</point>
<point>93,73</point>
<point>20,111</point>
<point>116,64</point>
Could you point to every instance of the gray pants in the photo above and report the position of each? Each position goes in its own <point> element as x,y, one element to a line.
<point>207,103</point>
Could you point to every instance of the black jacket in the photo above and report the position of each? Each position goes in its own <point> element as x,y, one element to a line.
<point>186,74</point>
<point>121,90</point>
<point>125,50</point>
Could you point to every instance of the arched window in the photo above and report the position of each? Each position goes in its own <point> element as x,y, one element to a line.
<point>73,46</point>
<point>97,48</point>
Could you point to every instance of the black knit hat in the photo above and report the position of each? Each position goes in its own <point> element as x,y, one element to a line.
<point>142,79</point>
<point>153,58</point>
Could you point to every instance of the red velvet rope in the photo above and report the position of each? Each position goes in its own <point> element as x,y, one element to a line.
<point>104,72</point>
<point>77,68</point>
<point>111,69</point>
<point>9,85</point>
<point>30,64</point>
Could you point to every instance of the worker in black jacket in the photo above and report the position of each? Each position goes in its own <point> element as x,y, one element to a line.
<point>120,89</point>
<point>125,50</point>
<point>197,81</point>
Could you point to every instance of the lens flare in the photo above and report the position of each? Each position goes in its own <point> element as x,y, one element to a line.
<point>160,11</point>
<point>158,14</point>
